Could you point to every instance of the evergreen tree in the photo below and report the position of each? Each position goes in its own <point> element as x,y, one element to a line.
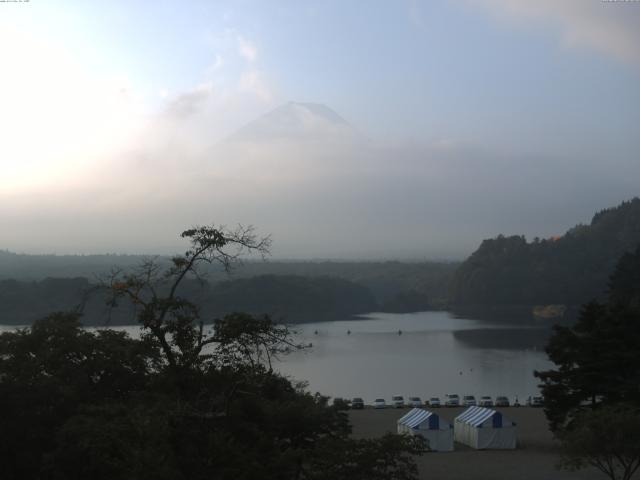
<point>597,358</point>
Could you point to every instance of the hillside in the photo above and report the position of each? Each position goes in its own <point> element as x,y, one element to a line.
<point>570,270</point>
<point>395,285</point>
<point>289,298</point>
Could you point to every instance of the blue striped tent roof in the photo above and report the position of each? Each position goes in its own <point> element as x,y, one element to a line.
<point>476,416</point>
<point>415,417</point>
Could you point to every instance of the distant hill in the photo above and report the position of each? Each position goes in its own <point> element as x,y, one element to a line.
<point>23,302</point>
<point>288,298</point>
<point>396,286</point>
<point>291,298</point>
<point>571,269</point>
<point>37,267</point>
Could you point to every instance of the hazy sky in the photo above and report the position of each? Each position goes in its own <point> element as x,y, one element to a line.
<point>481,117</point>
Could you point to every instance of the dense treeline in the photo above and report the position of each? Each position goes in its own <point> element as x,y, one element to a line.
<point>571,269</point>
<point>290,298</point>
<point>395,286</point>
<point>23,302</point>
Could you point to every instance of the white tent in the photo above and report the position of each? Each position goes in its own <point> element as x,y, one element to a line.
<point>438,432</point>
<point>483,428</point>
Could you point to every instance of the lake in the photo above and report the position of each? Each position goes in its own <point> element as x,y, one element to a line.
<point>436,353</point>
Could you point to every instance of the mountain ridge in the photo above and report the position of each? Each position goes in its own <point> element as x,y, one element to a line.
<point>571,269</point>
<point>296,121</point>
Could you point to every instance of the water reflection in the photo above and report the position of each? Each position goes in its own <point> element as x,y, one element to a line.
<point>437,353</point>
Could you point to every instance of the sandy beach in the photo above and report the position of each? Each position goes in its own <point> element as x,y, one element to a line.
<point>534,458</point>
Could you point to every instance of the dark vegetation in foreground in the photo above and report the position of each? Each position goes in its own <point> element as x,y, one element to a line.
<point>592,398</point>
<point>182,402</point>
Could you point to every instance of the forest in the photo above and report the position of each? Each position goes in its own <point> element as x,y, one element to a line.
<point>292,291</point>
<point>505,273</point>
<point>571,269</point>
<point>287,298</point>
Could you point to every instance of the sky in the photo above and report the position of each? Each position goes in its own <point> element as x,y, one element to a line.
<point>462,120</point>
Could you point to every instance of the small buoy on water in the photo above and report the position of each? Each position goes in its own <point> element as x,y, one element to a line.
<point>399,332</point>
<point>460,372</point>
<point>348,332</point>
<point>316,332</point>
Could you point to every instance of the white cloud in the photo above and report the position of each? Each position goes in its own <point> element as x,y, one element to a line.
<point>253,82</point>
<point>75,116</point>
<point>608,27</point>
<point>217,63</point>
<point>247,49</point>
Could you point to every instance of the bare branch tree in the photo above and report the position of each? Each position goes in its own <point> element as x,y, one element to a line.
<point>152,289</point>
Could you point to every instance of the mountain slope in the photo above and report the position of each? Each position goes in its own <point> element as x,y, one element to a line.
<point>571,269</point>
<point>296,121</point>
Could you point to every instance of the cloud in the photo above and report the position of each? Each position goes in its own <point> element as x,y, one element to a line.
<point>610,28</point>
<point>253,82</point>
<point>246,49</point>
<point>319,199</point>
<point>57,116</point>
<point>191,102</point>
<point>217,63</point>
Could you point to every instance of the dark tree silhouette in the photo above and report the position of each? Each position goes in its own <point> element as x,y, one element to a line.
<point>597,358</point>
<point>607,439</point>
<point>179,403</point>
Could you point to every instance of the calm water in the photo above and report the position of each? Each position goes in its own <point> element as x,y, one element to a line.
<point>435,354</point>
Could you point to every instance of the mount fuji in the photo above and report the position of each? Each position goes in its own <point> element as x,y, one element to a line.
<point>297,121</point>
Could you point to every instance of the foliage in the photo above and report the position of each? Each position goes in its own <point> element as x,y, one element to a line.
<point>49,371</point>
<point>246,340</point>
<point>366,459</point>
<point>293,298</point>
<point>571,269</point>
<point>606,438</point>
<point>341,403</point>
<point>166,316</point>
<point>408,301</point>
<point>21,302</point>
<point>597,358</point>
<point>394,286</point>
<point>181,402</point>
<point>624,284</point>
